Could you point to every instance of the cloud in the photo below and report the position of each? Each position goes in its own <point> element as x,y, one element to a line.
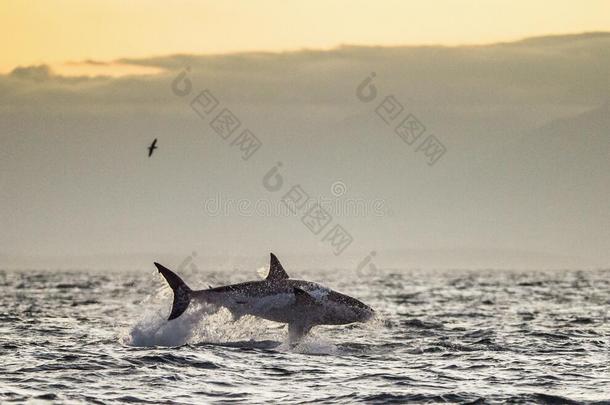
<point>72,148</point>
<point>91,62</point>
<point>554,70</point>
<point>37,73</point>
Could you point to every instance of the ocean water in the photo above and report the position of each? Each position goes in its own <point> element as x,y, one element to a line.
<point>439,337</point>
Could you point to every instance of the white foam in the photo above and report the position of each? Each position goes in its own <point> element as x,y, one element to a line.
<point>199,324</point>
<point>153,329</point>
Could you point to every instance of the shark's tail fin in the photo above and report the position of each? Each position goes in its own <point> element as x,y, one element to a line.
<point>182,293</point>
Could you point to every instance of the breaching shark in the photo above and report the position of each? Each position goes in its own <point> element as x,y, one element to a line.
<point>300,304</point>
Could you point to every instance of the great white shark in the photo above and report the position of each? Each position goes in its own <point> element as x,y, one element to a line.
<point>301,304</point>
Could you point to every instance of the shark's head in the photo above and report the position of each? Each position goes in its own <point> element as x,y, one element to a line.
<point>339,308</point>
<point>347,309</point>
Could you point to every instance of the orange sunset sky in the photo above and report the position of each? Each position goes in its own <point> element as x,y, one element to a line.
<point>62,32</point>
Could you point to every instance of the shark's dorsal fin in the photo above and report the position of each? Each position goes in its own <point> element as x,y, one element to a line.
<point>276,271</point>
<point>303,297</point>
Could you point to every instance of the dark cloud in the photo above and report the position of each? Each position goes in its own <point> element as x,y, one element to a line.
<point>565,69</point>
<point>72,156</point>
<point>37,73</point>
<point>90,62</point>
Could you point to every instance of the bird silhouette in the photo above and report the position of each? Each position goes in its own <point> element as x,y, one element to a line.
<point>152,147</point>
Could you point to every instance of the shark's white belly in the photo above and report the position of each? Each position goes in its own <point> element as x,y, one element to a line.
<point>277,307</point>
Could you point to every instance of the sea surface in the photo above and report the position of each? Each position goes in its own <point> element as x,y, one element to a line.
<point>440,337</point>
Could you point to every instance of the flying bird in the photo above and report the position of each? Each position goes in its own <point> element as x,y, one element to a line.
<point>152,147</point>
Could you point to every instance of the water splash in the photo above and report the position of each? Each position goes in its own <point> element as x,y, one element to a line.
<point>153,329</point>
<point>199,324</point>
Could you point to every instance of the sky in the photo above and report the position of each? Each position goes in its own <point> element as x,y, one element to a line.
<point>59,31</point>
<point>523,120</point>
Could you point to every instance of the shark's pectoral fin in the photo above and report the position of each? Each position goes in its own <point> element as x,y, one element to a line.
<point>297,330</point>
<point>303,298</point>
<point>300,328</point>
